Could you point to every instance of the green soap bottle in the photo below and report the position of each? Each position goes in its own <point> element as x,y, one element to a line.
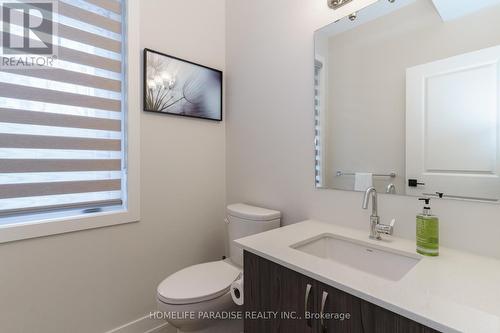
<point>427,231</point>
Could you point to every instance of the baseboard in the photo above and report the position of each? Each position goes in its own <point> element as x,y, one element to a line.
<point>144,325</point>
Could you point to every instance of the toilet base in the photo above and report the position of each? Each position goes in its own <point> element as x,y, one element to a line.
<point>200,325</point>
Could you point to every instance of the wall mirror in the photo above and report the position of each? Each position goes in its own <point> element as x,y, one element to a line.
<point>407,99</point>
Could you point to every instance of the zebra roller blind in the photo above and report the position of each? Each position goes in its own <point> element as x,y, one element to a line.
<point>318,163</point>
<point>61,124</point>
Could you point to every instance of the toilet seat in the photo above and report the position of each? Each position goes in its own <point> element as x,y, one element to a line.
<point>198,283</point>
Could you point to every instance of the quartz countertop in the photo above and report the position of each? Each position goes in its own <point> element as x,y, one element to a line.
<point>455,292</point>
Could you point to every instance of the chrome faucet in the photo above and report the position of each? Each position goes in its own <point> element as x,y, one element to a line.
<point>376,228</point>
<point>391,189</point>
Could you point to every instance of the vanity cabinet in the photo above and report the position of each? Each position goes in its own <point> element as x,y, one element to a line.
<point>277,300</point>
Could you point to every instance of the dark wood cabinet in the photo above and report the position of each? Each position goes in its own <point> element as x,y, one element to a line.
<point>342,311</point>
<point>276,298</point>
<point>380,320</point>
<point>280,300</point>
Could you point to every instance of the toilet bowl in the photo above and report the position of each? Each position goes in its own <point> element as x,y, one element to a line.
<point>190,298</point>
<point>197,298</point>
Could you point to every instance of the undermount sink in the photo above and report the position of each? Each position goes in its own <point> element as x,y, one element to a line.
<point>362,256</point>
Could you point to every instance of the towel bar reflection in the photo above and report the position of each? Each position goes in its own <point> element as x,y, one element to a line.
<point>391,175</point>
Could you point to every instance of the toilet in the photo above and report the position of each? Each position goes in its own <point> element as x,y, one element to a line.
<point>188,297</point>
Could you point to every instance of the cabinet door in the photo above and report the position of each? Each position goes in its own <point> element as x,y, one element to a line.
<point>262,293</point>
<point>338,311</point>
<point>298,298</point>
<point>279,294</point>
<point>380,320</point>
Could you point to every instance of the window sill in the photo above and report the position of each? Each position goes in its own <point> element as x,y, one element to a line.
<point>47,227</point>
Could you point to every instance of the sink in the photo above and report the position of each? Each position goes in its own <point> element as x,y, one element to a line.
<point>386,263</point>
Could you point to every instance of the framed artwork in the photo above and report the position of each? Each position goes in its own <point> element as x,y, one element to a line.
<point>180,87</point>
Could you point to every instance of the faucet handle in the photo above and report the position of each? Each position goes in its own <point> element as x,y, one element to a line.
<point>391,227</point>
<point>386,229</point>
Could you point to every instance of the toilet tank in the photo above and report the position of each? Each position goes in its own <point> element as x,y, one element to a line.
<point>245,220</point>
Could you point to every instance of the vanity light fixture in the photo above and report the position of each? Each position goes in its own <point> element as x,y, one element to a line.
<point>336,4</point>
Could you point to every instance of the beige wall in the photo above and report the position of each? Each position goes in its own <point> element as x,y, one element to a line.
<point>270,129</point>
<point>367,76</point>
<point>96,280</point>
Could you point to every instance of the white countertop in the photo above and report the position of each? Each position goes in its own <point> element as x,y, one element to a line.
<point>455,292</point>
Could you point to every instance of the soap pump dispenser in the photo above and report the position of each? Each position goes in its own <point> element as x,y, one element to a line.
<point>427,231</point>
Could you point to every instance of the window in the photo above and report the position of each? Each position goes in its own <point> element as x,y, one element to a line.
<point>63,118</point>
<point>318,114</point>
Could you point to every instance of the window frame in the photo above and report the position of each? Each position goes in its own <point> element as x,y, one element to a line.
<point>130,212</point>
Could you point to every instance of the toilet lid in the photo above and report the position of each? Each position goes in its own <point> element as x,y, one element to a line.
<point>198,283</point>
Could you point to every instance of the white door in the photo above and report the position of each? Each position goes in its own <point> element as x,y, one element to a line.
<point>452,126</point>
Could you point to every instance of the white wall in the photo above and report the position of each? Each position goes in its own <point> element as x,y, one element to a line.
<point>270,129</point>
<point>96,280</point>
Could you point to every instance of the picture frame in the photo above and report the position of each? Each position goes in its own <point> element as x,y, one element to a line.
<point>179,87</point>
